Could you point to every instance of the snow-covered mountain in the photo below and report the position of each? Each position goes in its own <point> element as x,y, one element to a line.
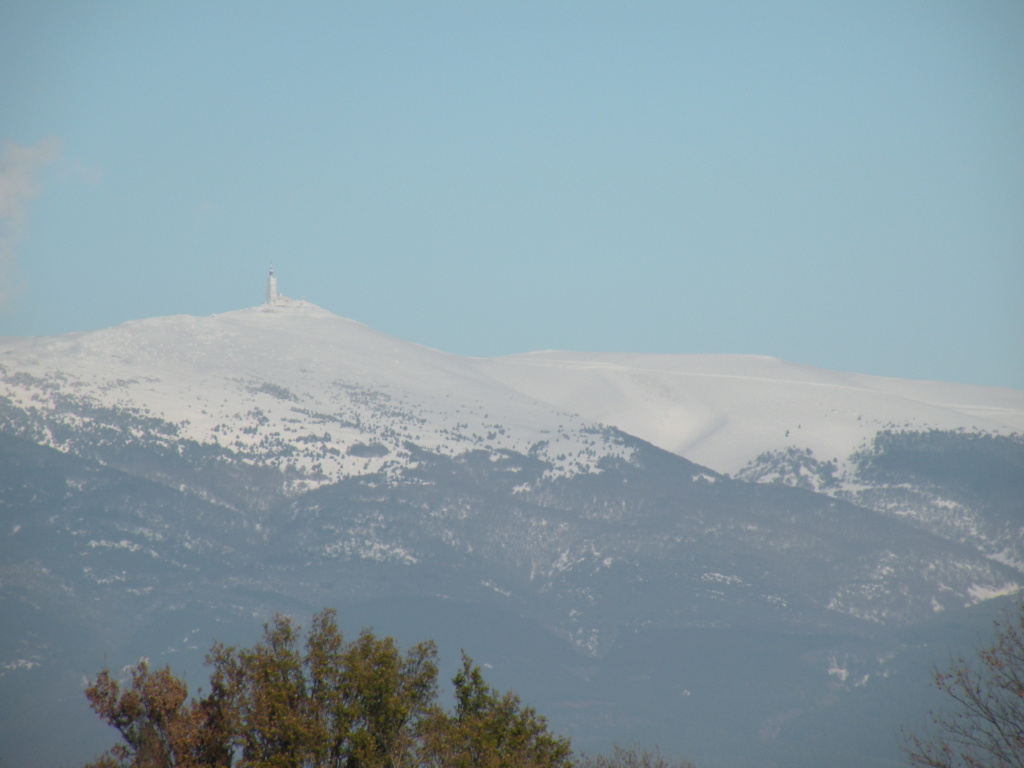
<point>723,411</point>
<point>289,386</point>
<point>256,380</point>
<point>184,477</point>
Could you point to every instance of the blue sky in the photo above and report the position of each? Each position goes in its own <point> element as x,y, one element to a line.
<point>838,184</point>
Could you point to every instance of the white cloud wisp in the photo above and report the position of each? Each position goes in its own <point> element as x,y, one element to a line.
<point>20,167</point>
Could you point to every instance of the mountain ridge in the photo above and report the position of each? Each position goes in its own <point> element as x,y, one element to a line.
<point>664,399</point>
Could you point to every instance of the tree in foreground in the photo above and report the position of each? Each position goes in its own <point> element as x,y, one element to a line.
<point>320,702</point>
<point>158,727</point>
<point>490,730</point>
<point>985,726</point>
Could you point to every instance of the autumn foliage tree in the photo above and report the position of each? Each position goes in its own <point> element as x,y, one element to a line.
<point>158,727</point>
<point>984,726</point>
<point>316,701</point>
<point>489,729</point>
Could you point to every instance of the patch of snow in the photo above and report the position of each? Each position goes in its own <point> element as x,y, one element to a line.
<point>370,549</point>
<point>980,592</point>
<point>834,670</point>
<point>721,578</point>
<point>1006,557</point>
<point>123,544</point>
<point>27,664</point>
<point>493,586</point>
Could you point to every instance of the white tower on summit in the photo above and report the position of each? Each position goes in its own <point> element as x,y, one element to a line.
<point>271,288</point>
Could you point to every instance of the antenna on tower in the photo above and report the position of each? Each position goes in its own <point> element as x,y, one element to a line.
<point>271,287</point>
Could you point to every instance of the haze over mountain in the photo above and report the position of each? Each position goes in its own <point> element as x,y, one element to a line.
<point>731,556</point>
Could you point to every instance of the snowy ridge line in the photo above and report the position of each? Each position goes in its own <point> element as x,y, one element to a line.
<point>277,374</point>
<point>723,411</point>
<point>322,398</point>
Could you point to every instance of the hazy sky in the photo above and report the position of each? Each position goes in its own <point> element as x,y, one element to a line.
<point>839,184</point>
